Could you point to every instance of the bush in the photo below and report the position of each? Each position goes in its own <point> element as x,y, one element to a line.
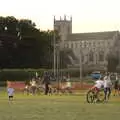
<point>19,74</point>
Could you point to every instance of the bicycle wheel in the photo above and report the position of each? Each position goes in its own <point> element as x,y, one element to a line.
<point>101,96</point>
<point>90,96</point>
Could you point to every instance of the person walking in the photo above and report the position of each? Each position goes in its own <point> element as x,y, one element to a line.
<point>10,91</point>
<point>117,85</point>
<point>107,86</point>
<point>46,82</point>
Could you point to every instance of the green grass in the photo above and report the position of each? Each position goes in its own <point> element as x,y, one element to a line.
<point>57,108</point>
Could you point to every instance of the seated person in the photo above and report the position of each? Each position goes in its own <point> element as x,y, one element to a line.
<point>98,85</point>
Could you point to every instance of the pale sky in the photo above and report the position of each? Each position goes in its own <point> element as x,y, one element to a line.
<point>88,15</point>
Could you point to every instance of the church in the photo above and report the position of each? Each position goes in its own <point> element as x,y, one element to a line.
<point>90,49</point>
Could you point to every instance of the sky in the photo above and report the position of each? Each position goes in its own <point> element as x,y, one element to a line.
<point>88,15</point>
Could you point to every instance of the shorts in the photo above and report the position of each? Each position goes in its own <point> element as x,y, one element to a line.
<point>108,89</point>
<point>10,96</point>
<point>96,89</point>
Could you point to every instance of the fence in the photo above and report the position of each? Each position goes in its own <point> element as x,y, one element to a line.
<point>74,85</point>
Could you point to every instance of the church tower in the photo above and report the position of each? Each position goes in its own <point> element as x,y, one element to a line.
<point>63,27</point>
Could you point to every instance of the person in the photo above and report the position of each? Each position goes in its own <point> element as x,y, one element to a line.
<point>107,86</point>
<point>68,84</point>
<point>27,89</point>
<point>117,86</point>
<point>64,78</point>
<point>98,84</point>
<point>10,92</point>
<point>97,87</point>
<point>46,82</point>
<point>33,86</point>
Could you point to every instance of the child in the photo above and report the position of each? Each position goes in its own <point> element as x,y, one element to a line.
<point>10,91</point>
<point>98,85</point>
<point>117,86</point>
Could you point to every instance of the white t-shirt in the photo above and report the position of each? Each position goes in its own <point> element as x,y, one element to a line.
<point>107,82</point>
<point>68,84</point>
<point>10,91</point>
<point>33,83</point>
<point>99,84</point>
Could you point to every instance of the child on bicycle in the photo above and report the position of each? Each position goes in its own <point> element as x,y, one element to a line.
<point>98,85</point>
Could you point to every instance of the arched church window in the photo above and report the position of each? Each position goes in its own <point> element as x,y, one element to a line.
<point>93,43</point>
<point>80,44</point>
<point>91,56</point>
<point>85,44</point>
<point>101,56</point>
<point>76,45</point>
<point>72,45</point>
<point>58,28</point>
<point>68,29</point>
<point>90,44</point>
<point>66,45</point>
<point>82,58</point>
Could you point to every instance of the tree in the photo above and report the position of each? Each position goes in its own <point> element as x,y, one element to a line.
<point>24,46</point>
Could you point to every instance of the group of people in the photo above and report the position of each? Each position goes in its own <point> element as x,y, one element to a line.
<point>105,82</point>
<point>36,83</point>
<point>45,84</point>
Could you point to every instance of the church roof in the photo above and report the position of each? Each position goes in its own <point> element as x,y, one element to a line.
<point>92,36</point>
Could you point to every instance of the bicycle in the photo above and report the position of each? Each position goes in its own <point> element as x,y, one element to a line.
<point>92,96</point>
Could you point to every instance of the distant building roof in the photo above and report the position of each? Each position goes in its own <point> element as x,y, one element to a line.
<point>92,36</point>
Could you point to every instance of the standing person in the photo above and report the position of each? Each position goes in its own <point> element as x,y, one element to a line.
<point>117,85</point>
<point>107,86</point>
<point>10,92</point>
<point>33,86</point>
<point>68,84</point>
<point>46,82</point>
<point>116,88</point>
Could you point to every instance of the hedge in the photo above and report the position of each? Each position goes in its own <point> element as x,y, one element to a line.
<point>19,74</point>
<point>27,74</point>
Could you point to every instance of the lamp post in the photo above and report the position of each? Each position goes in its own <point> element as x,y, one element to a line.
<point>80,63</point>
<point>80,60</point>
<point>54,54</point>
<point>57,62</point>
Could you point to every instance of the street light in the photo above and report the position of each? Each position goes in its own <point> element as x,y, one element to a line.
<point>80,62</point>
<point>58,63</point>
<point>54,54</point>
<point>5,28</point>
<point>80,57</point>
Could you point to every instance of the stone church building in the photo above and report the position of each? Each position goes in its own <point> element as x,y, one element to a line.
<point>90,49</point>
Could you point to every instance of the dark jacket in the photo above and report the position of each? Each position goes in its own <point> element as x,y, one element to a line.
<point>46,79</point>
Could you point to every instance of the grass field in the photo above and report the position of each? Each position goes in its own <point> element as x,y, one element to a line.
<point>57,108</point>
